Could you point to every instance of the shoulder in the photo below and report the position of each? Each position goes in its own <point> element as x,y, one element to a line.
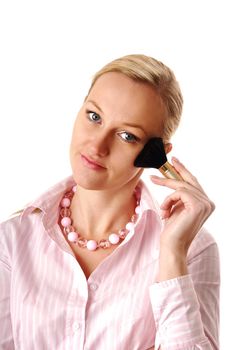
<point>204,244</point>
<point>15,233</point>
<point>10,222</point>
<point>11,228</point>
<point>8,230</point>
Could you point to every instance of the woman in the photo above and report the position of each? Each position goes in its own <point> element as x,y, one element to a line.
<point>94,263</point>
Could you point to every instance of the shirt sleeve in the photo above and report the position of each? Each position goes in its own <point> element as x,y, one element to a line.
<point>186,309</point>
<point>6,337</point>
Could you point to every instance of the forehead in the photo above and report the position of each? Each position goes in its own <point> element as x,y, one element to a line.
<point>125,99</point>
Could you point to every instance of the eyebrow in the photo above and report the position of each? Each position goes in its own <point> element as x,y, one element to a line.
<point>95,104</point>
<point>127,124</point>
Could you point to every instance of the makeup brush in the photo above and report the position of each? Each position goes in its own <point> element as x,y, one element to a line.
<point>153,156</point>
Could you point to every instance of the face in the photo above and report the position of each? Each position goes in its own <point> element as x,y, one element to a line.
<point>116,120</point>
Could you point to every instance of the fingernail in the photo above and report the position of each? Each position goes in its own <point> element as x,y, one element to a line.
<point>176,159</point>
<point>154,177</point>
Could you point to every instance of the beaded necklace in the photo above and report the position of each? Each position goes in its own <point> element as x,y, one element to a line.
<point>76,238</point>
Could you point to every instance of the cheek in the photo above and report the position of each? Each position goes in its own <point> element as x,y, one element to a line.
<point>124,159</point>
<point>128,173</point>
<point>78,134</point>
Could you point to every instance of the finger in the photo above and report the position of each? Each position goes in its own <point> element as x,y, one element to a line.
<point>175,205</point>
<point>186,174</point>
<point>175,184</point>
<point>191,201</point>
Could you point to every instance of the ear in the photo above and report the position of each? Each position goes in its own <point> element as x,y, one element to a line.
<point>168,147</point>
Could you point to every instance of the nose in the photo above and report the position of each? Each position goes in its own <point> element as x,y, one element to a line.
<point>99,145</point>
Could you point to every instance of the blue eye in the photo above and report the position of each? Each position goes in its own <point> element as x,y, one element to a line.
<point>127,137</point>
<point>94,116</point>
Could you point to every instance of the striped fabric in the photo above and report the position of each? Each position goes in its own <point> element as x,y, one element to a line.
<point>46,302</point>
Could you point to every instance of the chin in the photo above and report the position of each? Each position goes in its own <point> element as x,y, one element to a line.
<point>89,183</point>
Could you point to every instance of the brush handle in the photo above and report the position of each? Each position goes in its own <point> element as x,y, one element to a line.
<point>169,171</point>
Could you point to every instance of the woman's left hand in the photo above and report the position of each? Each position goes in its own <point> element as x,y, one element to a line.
<point>184,211</point>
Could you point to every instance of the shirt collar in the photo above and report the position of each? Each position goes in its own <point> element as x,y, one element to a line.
<point>49,201</point>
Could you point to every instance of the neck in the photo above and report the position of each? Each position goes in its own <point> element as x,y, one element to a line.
<point>96,214</point>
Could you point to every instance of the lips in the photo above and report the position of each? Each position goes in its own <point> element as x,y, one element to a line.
<point>91,162</point>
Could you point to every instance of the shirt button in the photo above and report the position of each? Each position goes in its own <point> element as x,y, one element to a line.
<point>93,286</point>
<point>76,326</point>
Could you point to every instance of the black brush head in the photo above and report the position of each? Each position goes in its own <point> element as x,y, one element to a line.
<point>152,155</point>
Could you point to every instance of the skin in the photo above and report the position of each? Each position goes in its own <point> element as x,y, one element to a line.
<point>184,213</point>
<point>101,134</point>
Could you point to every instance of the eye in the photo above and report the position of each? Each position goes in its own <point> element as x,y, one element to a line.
<point>93,116</point>
<point>127,137</point>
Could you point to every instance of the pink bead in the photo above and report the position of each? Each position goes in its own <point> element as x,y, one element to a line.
<point>72,236</point>
<point>134,218</point>
<point>138,209</point>
<point>103,243</point>
<point>123,233</point>
<point>91,245</point>
<point>129,226</point>
<point>65,203</point>
<point>65,212</point>
<point>82,242</point>
<point>74,188</point>
<point>66,221</point>
<point>69,194</point>
<point>114,238</point>
<point>68,229</point>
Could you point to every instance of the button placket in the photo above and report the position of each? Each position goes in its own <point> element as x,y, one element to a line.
<point>76,326</point>
<point>93,286</point>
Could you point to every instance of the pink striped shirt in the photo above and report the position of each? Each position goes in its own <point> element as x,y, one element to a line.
<point>46,302</point>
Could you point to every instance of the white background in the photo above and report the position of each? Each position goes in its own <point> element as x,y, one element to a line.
<point>51,49</point>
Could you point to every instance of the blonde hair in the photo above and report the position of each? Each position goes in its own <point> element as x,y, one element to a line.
<point>149,70</point>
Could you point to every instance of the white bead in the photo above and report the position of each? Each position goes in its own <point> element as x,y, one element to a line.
<point>91,245</point>
<point>114,238</point>
<point>72,236</point>
<point>65,202</point>
<point>138,210</point>
<point>130,226</point>
<point>66,221</point>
